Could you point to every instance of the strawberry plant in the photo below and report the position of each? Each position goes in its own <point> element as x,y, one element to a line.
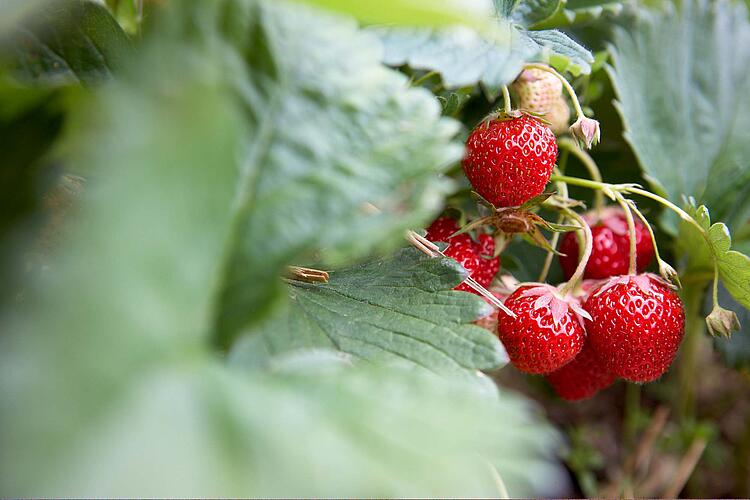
<point>334,248</point>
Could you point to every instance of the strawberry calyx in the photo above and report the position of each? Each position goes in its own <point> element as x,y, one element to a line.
<point>643,281</point>
<point>558,304</point>
<point>501,115</point>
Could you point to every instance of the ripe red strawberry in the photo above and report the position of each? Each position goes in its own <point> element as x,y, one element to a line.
<point>547,332</point>
<point>581,378</point>
<point>537,90</point>
<point>610,255</point>
<point>476,257</point>
<point>637,323</point>
<point>509,161</point>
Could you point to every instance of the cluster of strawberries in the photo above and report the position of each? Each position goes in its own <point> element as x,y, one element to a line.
<point>581,336</point>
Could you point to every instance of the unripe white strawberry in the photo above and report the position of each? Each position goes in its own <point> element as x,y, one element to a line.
<point>558,116</point>
<point>537,90</point>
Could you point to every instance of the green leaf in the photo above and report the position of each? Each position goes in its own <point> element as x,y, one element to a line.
<point>562,52</point>
<point>702,253</point>
<point>684,97</point>
<point>462,56</point>
<point>69,42</point>
<point>398,308</point>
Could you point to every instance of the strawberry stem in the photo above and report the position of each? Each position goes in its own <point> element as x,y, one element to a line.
<point>588,247</point>
<point>631,232</point>
<point>563,190</point>
<point>568,87</point>
<point>590,165</point>
<point>506,99</point>
<point>665,270</point>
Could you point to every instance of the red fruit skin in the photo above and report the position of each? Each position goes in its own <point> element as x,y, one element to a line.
<point>582,378</point>
<point>509,162</point>
<point>610,255</point>
<point>533,342</point>
<point>476,257</point>
<point>635,333</point>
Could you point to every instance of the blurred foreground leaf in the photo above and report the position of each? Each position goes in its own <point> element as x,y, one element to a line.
<point>108,383</point>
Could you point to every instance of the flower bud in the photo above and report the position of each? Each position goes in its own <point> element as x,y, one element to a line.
<point>586,132</point>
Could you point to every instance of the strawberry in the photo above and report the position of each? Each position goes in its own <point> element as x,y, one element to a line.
<point>509,161</point>
<point>637,324</point>
<point>547,332</point>
<point>537,90</point>
<point>610,255</point>
<point>558,116</point>
<point>581,378</point>
<point>476,257</point>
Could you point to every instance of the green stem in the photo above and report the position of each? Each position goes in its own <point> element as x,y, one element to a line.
<point>687,368</point>
<point>575,181</point>
<point>568,87</point>
<point>588,247</point>
<point>631,412</point>
<point>562,188</point>
<point>631,232</point>
<point>648,227</point>
<point>506,99</point>
<point>423,78</point>
<point>588,162</point>
<point>715,292</point>
<point>628,188</point>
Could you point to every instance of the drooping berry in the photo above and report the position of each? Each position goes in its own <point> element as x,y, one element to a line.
<point>581,378</point>
<point>509,161</point>
<point>547,331</point>
<point>610,255</point>
<point>476,257</point>
<point>637,324</point>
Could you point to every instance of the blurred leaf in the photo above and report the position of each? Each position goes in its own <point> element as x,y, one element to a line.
<point>684,97</point>
<point>333,133</point>
<point>559,50</point>
<point>399,308</point>
<point>426,13</point>
<point>14,11</point>
<point>127,13</point>
<point>68,42</point>
<point>734,267</point>
<point>30,121</point>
